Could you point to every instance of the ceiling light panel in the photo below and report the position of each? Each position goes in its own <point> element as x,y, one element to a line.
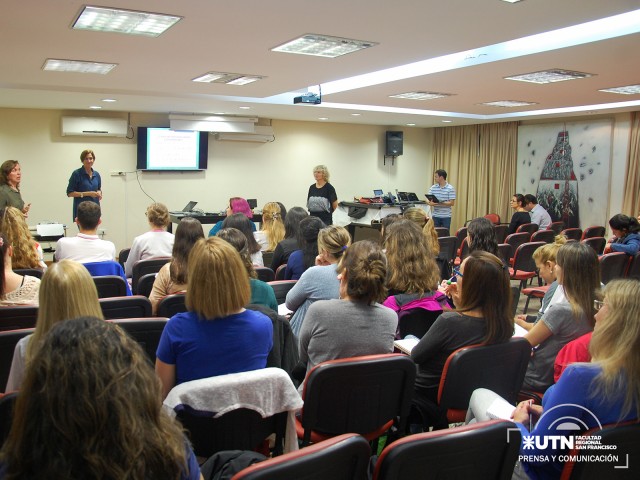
<point>77,66</point>
<point>627,90</point>
<point>508,103</point>
<point>130,22</point>
<point>549,76</point>
<point>421,95</point>
<point>227,78</point>
<point>323,46</point>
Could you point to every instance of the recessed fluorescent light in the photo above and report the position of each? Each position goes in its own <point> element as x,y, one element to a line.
<point>549,76</point>
<point>130,22</point>
<point>95,107</point>
<point>411,124</point>
<point>244,108</point>
<point>227,78</point>
<point>109,100</point>
<point>512,1</point>
<point>323,118</point>
<point>421,95</point>
<point>508,103</point>
<point>219,113</point>
<point>77,66</point>
<point>323,46</point>
<point>447,121</point>
<point>628,90</point>
<point>356,114</point>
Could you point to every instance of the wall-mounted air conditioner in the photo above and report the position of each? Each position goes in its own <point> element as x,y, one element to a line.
<point>94,126</point>
<point>261,135</point>
<point>212,123</point>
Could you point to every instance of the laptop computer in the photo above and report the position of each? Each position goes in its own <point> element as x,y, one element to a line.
<point>189,206</point>
<point>403,197</point>
<point>378,192</point>
<point>412,197</point>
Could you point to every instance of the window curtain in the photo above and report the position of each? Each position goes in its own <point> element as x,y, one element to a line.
<point>480,161</point>
<point>631,191</point>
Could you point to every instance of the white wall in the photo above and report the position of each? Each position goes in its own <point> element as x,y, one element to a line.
<point>278,171</point>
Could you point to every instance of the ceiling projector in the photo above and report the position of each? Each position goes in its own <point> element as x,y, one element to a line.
<point>311,98</point>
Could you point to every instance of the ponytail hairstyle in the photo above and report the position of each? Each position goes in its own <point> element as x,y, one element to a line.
<point>364,267</point>
<point>420,218</point>
<point>334,240</point>
<point>308,239</point>
<point>236,238</point>
<point>625,223</point>
<point>548,252</point>
<point>272,224</point>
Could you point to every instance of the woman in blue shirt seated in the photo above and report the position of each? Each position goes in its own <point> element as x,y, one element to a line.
<point>626,231</point>
<point>216,336</point>
<point>300,260</point>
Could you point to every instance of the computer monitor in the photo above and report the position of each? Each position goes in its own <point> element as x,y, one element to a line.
<point>378,192</point>
<point>253,203</point>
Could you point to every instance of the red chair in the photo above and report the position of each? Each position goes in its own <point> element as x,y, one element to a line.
<point>485,451</point>
<point>572,234</point>
<point>265,274</point>
<point>461,234</point>
<point>597,243</point>
<point>493,218</point>
<point>595,231</point>
<point>500,368</point>
<point>546,236</point>
<point>280,288</point>
<point>613,265</point>
<point>530,228</point>
<point>524,267</point>
<point>365,395</point>
<point>504,250</point>
<point>557,227</point>
<point>515,240</point>
<point>344,456</point>
<point>463,252</point>
<point>280,271</point>
<point>501,232</point>
<point>533,292</point>
<point>634,267</point>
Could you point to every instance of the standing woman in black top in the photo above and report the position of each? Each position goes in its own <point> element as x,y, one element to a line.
<point>322,199</point>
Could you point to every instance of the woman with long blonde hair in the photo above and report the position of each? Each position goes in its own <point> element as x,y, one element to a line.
<point>67,291</point>
<point>272,227</point>
<point>27,253</point>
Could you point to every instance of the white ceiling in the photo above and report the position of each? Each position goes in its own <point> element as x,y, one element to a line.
<point>154,74</point>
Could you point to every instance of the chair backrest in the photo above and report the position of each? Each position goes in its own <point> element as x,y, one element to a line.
<point>143,267</point>
<point>517,239</point>
<point>281,287</point>
<point>557,227</point>
<point>594,231</point>
<point>529,228</point>
<point>626,438</point>
<point>280,271</point>
<point>145,331</point>
<point>501,232</point>
<point>110,267</point>
<point>448,247</point>
<point>172,304</point>
<point>572,234</point>
<point>416,321</point>
<point>7,404</point>
<point>500,367</point>
<point>358,395</point>
<point>504,250</point>
<point>634,267</point>
<point>342,457</point>
<point>515,298</point>
<point>483,451</point>
<point>523,258</point>
<point>33,272</point>
<point>613,265</point>
<point>546,236</point>
<point>123,255</point>
<point>267,258</point>
<point>265,274</point>
<point>442,232</point>
<point>461,234</point>
<point>464,249</point>
<point>226,412</point>
<point>135,306</point>
<point>8,341</point>
<point>493,218</point>
<point>597,243</point>
<point>17,317</point>
<point>110,286</point>
<point>145,284</point>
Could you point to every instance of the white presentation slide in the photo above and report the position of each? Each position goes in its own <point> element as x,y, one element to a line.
<point>172,149</point>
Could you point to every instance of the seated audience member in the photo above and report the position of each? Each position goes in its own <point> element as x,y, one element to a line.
<point>578,272</point>
<point>520,215</point>
<point>261,292</point>
<point>539,215</point>
<point>216,336</point>
<point>420,218</point>
<point>172,277</point>
<point>626,231</point>
<point>481,235</point>
<point>300,260</point>
<point>483,316</point>
<point>90,408</point>
<point>242,223</point>
<point>67,291</point>
<point>86,247</point>
<point>290,242</point>
<point>272,227</point>
<point>605,391</point>
<point>545,260</point>
<point>157,242</point>
<point>283,211</point>
<point>386,222</point>
<point>412,273</point>
<point>236,205</point>
<point>319,282</point>
<point>356,324</point>
<point>15,289</point>
<point>27,253</point>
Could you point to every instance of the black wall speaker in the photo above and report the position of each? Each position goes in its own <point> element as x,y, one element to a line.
<point>393,144</point>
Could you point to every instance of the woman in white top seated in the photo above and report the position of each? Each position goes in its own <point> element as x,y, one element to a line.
<point>157,242</point>
<point>272,227</point>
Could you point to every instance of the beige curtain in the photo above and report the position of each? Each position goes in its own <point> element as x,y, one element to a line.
<point>480,161</point>
<point>631,192</point>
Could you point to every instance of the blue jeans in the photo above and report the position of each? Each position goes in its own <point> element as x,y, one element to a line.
<point>442,222</point>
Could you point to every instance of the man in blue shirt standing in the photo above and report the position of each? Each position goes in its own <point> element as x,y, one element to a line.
<point>446,195</point>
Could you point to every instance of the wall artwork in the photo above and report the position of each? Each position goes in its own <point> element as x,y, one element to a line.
<point>566,166</point>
